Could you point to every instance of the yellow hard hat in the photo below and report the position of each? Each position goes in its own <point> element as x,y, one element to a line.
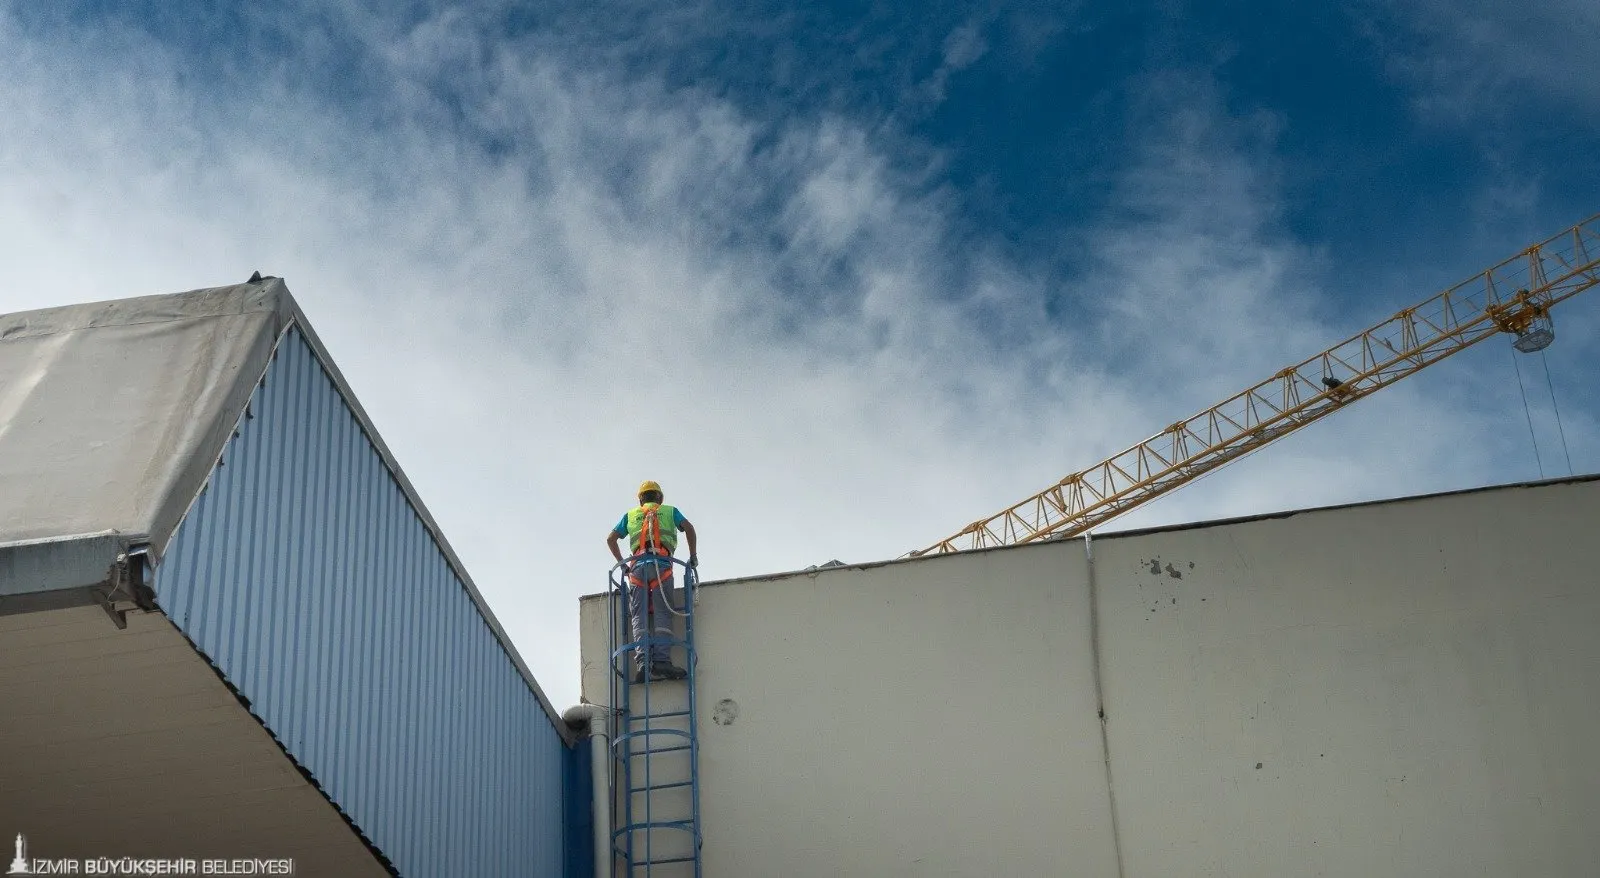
<point>648,485</point>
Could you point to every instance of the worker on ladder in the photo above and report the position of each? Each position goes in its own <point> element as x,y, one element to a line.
<point>652,529</point>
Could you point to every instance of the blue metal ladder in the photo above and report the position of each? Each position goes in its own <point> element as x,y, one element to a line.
<point>655,750</point>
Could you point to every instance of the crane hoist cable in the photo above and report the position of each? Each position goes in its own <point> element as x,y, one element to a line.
<point>1514,296</point>
<point>1527,413</point>
<point>1556,408</point>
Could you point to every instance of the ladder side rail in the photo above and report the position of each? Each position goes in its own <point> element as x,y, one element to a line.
<point>623,645</point>
<point>692,660</point>
<point>621,767</point>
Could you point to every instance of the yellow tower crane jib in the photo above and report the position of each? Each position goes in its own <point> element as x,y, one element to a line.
<point>1514,296</point>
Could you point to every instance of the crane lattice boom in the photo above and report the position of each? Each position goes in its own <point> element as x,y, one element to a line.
<point>1514,296</point>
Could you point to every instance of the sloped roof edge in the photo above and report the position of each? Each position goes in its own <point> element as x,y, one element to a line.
<point>415,499</point>
<point>219,341</point>
<point>112,413</point>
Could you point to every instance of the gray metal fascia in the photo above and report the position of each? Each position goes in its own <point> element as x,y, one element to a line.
<point>60,563</point>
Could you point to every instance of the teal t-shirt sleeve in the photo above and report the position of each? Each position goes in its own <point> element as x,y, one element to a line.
<point>681,520</point>
<point>621,529</point>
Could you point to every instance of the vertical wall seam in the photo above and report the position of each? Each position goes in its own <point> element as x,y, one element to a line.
<point>1100,698</point>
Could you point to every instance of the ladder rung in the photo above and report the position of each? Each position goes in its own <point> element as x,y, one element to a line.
<point>627,676</point>
<point>648,863</point>
<point>664,786</point>
<point>657,715</point>
<point>661,750</point>
<point>647,732</point>
<point>619,657</point>
<point>685,825</point>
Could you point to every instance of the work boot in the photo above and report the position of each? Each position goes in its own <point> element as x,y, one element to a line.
<point>667,671</point>
<point>638,675</point>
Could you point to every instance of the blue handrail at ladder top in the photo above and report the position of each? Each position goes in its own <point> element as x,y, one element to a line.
<point>655,750</point>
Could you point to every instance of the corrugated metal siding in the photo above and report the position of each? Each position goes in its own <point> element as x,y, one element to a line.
<point>306,576</point>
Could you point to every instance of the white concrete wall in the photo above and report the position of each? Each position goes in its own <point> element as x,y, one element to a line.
<point>891,723</point>
<point>1419,682</point>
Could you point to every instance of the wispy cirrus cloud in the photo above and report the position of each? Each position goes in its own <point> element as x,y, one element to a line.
<point>1491,58</point>
<point>549,277</point>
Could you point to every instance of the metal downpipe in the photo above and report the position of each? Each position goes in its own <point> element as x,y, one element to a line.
<point>596,718</point>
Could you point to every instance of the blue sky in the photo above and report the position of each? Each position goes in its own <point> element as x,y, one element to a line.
<point>905,262</point>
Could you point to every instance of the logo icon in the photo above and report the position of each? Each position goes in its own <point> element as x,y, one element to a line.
<point>19,863</point>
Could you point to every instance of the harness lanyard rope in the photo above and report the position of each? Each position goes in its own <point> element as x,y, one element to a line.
<point>650,541</point>
<point>650,532</point>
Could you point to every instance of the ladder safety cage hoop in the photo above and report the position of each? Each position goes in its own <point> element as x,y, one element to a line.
<point>669,733</point>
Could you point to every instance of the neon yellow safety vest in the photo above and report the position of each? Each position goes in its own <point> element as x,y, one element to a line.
<point>659,528</point>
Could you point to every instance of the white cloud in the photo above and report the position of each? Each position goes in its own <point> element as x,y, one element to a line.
<point>1477,58</point>
<point>847,374</point>
<point>962,48</point>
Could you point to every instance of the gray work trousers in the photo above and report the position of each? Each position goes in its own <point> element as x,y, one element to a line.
<point>648,613</point>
